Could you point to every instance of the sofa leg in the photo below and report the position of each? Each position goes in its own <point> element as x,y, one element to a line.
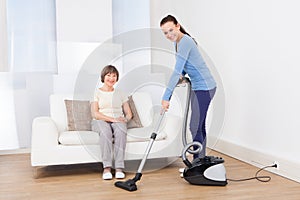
<point>35,172</point>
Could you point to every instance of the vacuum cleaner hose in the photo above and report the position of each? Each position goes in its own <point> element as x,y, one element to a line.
<point>186,111</point>
<point>187,148</point>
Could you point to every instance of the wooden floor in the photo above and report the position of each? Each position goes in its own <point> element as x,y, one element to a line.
<point>84,182</point>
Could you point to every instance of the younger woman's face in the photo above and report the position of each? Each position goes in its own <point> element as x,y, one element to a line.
<point>110,79</point>
<point>171,31</point>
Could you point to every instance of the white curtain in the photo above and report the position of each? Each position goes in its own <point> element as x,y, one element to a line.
<point>28,61</point>
<point>31,35</point>
<point>3,37</point>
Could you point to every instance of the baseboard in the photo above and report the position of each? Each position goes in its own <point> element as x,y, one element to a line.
<point>286,168</point>
<point>15,151</point>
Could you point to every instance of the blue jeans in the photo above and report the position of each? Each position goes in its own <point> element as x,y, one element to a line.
<point>200,101</point>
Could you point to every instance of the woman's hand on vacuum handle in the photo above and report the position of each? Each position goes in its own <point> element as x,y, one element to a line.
<point>165,105</point>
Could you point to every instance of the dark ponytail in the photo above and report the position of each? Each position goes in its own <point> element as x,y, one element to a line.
<point>170,18</point>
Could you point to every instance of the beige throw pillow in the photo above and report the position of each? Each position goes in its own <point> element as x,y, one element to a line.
<point>135,121</point>
<point>79,115</point>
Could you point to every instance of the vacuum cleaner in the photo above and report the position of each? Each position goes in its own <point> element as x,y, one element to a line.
<point>208,170</point>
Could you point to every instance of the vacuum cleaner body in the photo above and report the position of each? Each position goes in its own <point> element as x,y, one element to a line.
<point>206,171</point>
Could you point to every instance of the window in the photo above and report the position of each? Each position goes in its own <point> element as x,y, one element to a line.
<point>3,37</point>
<point>31,29</point>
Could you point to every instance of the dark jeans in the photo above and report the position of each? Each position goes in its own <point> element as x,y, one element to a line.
<point>200,101</point>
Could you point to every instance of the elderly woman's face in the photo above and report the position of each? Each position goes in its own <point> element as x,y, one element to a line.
<point>110,79</point>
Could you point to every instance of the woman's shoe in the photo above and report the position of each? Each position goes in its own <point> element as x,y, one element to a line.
<point>120,175</point>
<point>107,176</point>
<point>181,170</point>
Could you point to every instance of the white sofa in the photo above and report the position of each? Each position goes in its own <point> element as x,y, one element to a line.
<point>52,144</point>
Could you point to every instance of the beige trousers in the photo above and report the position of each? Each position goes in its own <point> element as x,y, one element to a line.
<point>112,142</point>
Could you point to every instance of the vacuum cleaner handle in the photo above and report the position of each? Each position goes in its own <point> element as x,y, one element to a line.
<point>152,138</point>
<point>130,185</point>
<point>162,114</point>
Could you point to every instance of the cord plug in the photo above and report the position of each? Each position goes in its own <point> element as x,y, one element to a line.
<point>275,164</point>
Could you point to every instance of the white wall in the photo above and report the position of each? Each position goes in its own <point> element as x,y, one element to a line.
<point>84,20</point>
<point>254,46</point>
<point>130,30</point>
<point>82,26</point>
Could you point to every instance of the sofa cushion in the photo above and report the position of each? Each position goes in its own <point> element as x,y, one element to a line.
<point>144,134</point>
<point>135,121</point>
<point>78,138</point>
<point>92,138</point>
<point>133,135</point>
<point>78,115</point>
<point>58,111</point>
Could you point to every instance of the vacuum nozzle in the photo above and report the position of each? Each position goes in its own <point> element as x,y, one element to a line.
<point>130,184</point>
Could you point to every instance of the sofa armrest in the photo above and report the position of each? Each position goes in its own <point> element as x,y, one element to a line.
<point>44,133</point>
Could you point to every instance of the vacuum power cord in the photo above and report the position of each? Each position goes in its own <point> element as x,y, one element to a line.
<point>259,178</point>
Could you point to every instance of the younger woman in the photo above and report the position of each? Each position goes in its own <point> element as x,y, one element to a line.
<point>189,61</point>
